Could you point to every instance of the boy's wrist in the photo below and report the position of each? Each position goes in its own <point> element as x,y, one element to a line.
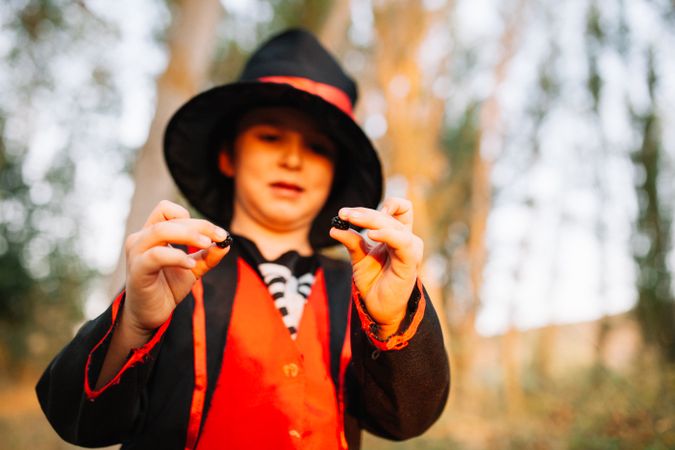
<point>134,335</point>
<point>386,331</point>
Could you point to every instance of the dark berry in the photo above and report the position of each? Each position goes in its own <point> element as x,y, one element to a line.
<point>339,223</point>
<point>226,243</point>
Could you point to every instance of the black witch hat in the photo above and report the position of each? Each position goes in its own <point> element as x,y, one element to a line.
<point>291,69</point>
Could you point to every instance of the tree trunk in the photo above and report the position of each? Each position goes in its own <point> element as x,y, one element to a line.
<point>489,145</point>
<point>544,354</point>
<point>413,113</point>
<point>513,391</point>
<point>333,32</point>
<point>190,46</point>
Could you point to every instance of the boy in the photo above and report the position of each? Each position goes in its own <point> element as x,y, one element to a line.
<point>193,353</point>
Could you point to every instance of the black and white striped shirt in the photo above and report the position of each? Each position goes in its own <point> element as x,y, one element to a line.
<point>289,279</point>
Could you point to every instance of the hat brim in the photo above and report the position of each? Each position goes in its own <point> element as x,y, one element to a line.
<point>196,131</point>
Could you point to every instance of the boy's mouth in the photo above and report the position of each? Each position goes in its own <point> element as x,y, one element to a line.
<point>287,186</point>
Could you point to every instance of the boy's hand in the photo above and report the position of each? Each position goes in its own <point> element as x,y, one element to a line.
<point>160,276</point>
<point>384,272</point>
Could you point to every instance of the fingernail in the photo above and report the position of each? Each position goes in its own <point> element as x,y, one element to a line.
<point>204,241</point>
<point>220,233</point>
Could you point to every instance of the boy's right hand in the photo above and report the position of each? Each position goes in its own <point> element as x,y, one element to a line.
<point>159,276</point>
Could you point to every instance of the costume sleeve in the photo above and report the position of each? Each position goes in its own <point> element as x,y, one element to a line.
<point>403,382</point>
<point>82,415</point>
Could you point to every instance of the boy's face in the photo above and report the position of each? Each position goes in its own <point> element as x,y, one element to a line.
<point>282,167</point>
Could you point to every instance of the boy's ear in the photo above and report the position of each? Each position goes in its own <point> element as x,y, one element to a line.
<point>225,163</point>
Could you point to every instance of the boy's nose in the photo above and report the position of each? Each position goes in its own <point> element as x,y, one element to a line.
<point>292,155</point>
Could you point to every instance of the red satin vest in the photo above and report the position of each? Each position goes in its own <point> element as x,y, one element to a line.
<point>273,392</point>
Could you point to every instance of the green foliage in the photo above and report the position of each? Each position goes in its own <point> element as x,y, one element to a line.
<point>37,15</point>
<point>656,306</point>
<point>309,14</point>
<point>15,281</point>
<point>233,48</point>
<point>590,410</point>
<point>423,443</point>
<point>624,412</point>
<point>459,144</point>
<point>594,40</point>
<point>42,276</point>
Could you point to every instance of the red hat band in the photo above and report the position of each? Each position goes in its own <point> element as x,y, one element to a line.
<point>329,93</point>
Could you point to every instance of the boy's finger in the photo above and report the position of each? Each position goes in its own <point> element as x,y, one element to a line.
<point>207,259</point>
<point>406,246</point>
<point>353,242</point>
<point>195,232</point>
<point>156,258</point>
<point>399,208</point>
<point>166,210</point>
<point>370,219</point>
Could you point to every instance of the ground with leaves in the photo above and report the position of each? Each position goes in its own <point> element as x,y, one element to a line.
<point>584,405</point>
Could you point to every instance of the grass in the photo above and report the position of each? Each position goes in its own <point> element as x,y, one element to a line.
<point>589,409</point>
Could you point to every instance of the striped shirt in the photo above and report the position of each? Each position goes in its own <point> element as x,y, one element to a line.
<point>289,279</point>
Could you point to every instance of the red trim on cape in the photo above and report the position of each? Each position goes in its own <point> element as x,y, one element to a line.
<point>137,354</point>
<point>199,346</point>
<point>397,341</point>
<point>331,94</point>
<point>345,358</point>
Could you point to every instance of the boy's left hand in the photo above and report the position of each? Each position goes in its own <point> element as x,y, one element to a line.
<point>385,271</point>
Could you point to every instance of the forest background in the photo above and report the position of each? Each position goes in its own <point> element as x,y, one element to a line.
<point>535,138</point>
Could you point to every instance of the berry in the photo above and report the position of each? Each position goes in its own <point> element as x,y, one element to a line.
<point>226,243</point>
<point>339,223</point>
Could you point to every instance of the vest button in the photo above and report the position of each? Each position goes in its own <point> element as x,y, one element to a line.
<point>294,433</point>
<point>291,370</point>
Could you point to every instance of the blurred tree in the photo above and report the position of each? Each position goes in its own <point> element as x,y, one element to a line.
<point>241,31</point>
<point>451,228</point>
<point>310,14</point>
<point>413,107</point>
<point>489,146</point>
<point>595,37</point>
<point>414,112</point>
<point>42,276</point>
<point>655,308</point>
<point>16,281</point>
<point>547,92</point>
<point>333,30</point>
<point>191,42</point>
<point>200,57</point>
<point>471,146</point>
<point>42,280</point>
<point>451,223</point>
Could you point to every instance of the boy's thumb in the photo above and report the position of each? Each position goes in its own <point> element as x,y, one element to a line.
<point>207,259</point>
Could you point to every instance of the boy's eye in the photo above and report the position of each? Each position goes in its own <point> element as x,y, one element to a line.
<point>323,150</point>
<point>269,137</point>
